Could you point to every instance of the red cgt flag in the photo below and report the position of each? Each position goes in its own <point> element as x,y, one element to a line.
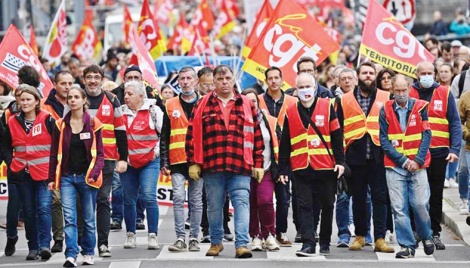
<point>388,42</point>
<point>128,24</point>
<point>290,34</point>
<point>177,37</point>
<point>262,18</point>
<point>162,10</point>
<point>149,32</point>
<point>201,42</point>
<point>56,41</point>
<point>16,53</point>
<point>32,40</point>
<point>225,21</point>
<point>144,60</point>
<point>204,16</point>
<point>87,45</point>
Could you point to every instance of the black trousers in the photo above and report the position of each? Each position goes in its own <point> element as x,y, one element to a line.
<point>313,188</point>
<point>436,175</point>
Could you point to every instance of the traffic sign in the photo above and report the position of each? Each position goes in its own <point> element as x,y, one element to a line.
<point>403,10</point>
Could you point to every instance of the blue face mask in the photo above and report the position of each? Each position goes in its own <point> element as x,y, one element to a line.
<point>426,81</point>
<point>187,93</point>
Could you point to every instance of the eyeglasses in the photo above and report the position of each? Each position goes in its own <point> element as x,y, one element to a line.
<point>91,77</point>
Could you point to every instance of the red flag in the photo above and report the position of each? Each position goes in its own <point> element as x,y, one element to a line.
<point>231,4</point>
<point>262,18</point>
<point>225,21</point>
<point>149,32</point>
<point>32,40</point>
<point>290,34</point>
<point>56,41</point>
<point>87,45</point>
<point>88,11</point>
<point>201,42</point>
<point>16,53</point>
<point>388,42</point>
<point>162,10</point>
<point>145,62</point>
<point>204,16</point>
<point>128,24</point>
<point>177,37</point>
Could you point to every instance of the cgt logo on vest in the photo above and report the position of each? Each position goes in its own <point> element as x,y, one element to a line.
<point>285,46</point>
<point>438,105</point>
<point>413,120</point>
<point>319,120</point>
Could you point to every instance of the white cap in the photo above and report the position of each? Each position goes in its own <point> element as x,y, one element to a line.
<point>456,43</point>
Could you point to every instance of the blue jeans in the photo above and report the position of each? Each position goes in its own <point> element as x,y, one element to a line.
<point>451,170</point>
<point>37,203</point>
<point>464,182</point>
<point>217,185</point>
<point>195,203</point>
<point>145,179</point>
<point>70,185</point>
<point>405,192</point>
<point>344,215</point>
<point>117,205</point>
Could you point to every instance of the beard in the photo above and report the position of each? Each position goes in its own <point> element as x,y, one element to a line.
<point>367,88</point>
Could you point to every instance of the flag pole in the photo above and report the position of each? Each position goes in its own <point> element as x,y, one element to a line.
<point>239,74</point>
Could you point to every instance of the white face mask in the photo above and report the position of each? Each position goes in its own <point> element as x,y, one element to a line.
<point>306,94</point>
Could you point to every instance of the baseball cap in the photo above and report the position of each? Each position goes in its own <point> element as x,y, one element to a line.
<point>456,43</point>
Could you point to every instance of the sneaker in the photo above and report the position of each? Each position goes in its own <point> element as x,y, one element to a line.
<point>70,262</point>
<point>10,247</point>
<point>283,240</point>
<point>206,238</point>
<point>104,251</point>
<point>140,225</point>
<point>88,260</point>
<point>228,237</point>
<point>193,245</point>
<point>438,243</point>
<point>115,225</point>
<point>428,247</point>
<point>58,246</point>
<point>45,254</point>
<point>271,243</point>
<point>298,238</point>
<point>389,236</point>
<point>306,251</point>
<point>453,183</point>
<point>256,244</point>
<point>352,229</point>
<point>243,253</point>
<point>130,241</point>
<point>32,255</point>
<point>405,253</point>
<point>214,250</point>
<point>178,246</point>
<point>463,209</point>
<point>325,249</point>
<point>152,241</point>
<point>343,242</point>
<point>187,225</point>
<point>446,183</point>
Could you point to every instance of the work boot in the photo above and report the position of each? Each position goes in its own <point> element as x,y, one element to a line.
<point>358,243</point>
<point>243,253</point>
<point>381,246</point>
<point>215,249</point>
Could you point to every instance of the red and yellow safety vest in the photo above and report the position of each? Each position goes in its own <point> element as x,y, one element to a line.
<point>179,127</point>
<point>49,109</point>
<point>31,150</point>
<point>288,101</point>
<point>272,121</point>
<point>356,124</point>
<point>96,125</point>
<point>106,115</point>
<point>408,142</point>
<point>141,139</point>
<point>306,146</point>
<point>437,115</point>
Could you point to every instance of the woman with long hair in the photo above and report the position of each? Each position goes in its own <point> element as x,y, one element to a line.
<point>26,148</point>
<point>77,160</point>
<point>445,74</point>
<point>384,79</point>
<point>261,192</point>
<point>143,127</point>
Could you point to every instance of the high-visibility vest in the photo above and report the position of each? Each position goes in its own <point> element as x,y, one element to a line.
<point>106,116</point>
<point>49,109</point>
<point>288,101</point>
<point>96,125</point>
<point>141,139</point>
<point>406,143</point>
<point>306,146</point>
<point>356,124</point>
<point>178,128</point>
<point>437,115</point>
<point>31,150</point>
<point>272,121</point>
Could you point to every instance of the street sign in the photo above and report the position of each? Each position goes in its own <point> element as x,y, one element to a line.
<point>403,10</point>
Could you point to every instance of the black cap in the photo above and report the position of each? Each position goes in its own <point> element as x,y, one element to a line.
<point>131,68</point>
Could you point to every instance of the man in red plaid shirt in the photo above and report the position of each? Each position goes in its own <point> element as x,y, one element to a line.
<point>224,141</point>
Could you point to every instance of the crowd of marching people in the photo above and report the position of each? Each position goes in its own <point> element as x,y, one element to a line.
<point>364,144</point>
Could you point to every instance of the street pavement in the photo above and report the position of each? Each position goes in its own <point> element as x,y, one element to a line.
<point>456,255</point>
